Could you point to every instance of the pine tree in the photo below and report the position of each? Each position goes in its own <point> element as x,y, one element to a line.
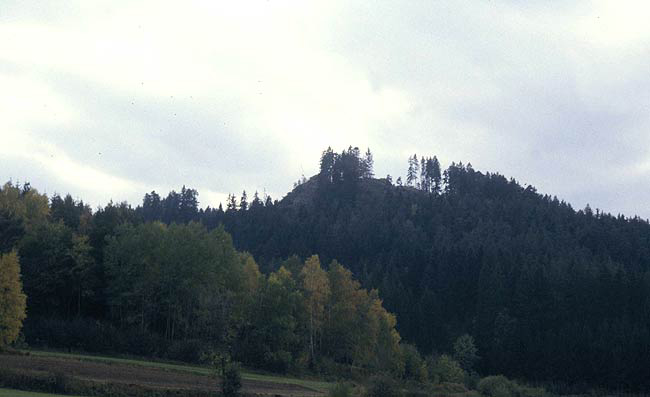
<point>423,175</point>
<point>12,299</point>
<point>243,202</point>
<point>435,175</point>
<point>232,203</point>
<point>412,172</point>
<point>367,165</point>
<point>327,160</point>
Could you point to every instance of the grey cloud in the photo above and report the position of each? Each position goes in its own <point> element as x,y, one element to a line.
<point>508,86</point>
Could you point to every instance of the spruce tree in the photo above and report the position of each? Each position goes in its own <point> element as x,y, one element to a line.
<point>243,202</point>
<point>367,165</point>
<point>435,175</point>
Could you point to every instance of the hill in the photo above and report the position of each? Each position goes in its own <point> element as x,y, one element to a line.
<point>549,292</point>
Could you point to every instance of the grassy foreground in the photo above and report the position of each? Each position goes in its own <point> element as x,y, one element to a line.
<point>195,369</point>
<point>20,393</point>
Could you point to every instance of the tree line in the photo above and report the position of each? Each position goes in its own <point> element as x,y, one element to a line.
<point>547,292</point>
<point>114,282</point>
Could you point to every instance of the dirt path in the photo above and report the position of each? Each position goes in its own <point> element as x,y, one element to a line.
<point>144,376</point>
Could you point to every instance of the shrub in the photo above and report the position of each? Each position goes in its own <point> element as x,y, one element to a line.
<point>446,369</point>
<point>465,352</point>
<point>231,380</point>
<point>500,386</point>
<point>341,389</point>
<point>496,386</point>
<point>383,386</point>
<point>414,366</point>
<point>471,380</point>
<point>191,351</point>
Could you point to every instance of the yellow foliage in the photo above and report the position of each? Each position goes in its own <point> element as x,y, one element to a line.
<point>12,299</point>
<point>28,205</point>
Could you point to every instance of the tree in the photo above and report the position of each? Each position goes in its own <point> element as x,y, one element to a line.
<point>367,165</point>
<point>256,203</point>
<point>12,299</point>
<point>12,230</point>
<point>25,204</point>
<point>243,202</point>
<point>465,352</point>
<point>415,367</point>
<point>436,178</point>
<point>327,160</point>
<point>231,203</point>
<point>412,172</point>
<point>424,177</point>
<point>317,290</point>
<point>229,372</point>
<point>445,369</point>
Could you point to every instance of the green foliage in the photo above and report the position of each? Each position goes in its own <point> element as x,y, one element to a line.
<point>228,372</point>
<point>12,299</point>
<point>24,203</point>
<point>500,386</point>
<point>543,288</point>
<point>496,386</point>
<point>445,369</point>
<point>383,386</point>
<point>341,389</point>
<point>415,367</point>
<point>465,352</point>
<point>178,280</point>
<point>231,380</point>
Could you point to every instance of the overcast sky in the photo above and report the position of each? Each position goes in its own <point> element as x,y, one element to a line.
<point>109,100</point>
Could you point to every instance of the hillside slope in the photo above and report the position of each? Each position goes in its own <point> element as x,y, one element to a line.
<point>544,289</point>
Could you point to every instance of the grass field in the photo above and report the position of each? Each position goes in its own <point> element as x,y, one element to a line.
<point>20,393</point>
<point>195,369</point>
<point>85,370</point>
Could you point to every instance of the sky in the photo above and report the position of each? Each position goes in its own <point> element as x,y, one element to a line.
<point>108,100</point>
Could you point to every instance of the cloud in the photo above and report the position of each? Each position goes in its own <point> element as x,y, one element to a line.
<point>226,96</point>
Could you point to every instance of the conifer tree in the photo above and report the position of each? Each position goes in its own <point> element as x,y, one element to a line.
<point>232,203</point>
<point>327,160</point>
<point>412,172</point>
<point>243,202</point>
<point>367,165</point>
<point>423,174</point>
<point>436,178</point>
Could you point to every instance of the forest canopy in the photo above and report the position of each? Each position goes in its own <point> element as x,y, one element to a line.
<point>545,292</point>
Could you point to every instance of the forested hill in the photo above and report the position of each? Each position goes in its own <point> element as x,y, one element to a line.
<point>547,291</point>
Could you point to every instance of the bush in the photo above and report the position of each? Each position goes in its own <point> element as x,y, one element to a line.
<point>280,361</point>
<point>448,388</point>
<point>414,366</point>
<point>445,369</point>
<point>471,380</point>
<point>190,351</point>
<point>496,386</point>
<point>231,380</point>
<point>465,352</point>
<point>383,386</point>
<point>341,389</point>
<point>500,386</point>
